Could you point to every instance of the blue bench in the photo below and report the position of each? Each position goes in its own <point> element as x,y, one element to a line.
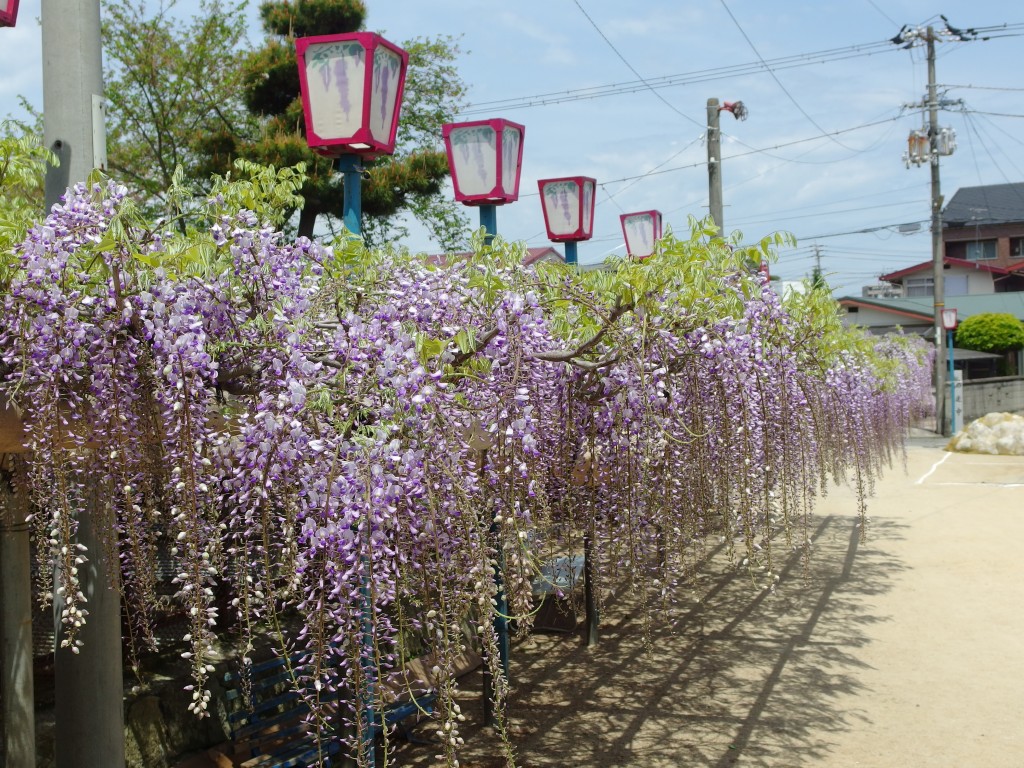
<point>558,577</point>
<point>270,728</point>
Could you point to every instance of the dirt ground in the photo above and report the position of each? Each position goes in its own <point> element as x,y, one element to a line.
<point>901,649</point>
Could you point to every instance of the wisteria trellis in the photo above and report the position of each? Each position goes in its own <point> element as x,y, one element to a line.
<point>332,436</point>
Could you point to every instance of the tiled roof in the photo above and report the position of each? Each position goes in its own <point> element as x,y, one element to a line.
<point>990,204</point>
<point>929,265</point>
<point>924,306</point>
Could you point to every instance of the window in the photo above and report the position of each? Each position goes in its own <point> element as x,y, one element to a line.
<point>955,285</point>
<point>920,286</point>
<point>981,249</point>
<point>1017,247</point>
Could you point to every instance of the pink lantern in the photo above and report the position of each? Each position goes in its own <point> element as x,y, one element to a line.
<point>949,319</point>
<point>351,92</point>
<point>641,231</point>
<point>8,13</point>
<point>485,158</point>
<point>568,205</point>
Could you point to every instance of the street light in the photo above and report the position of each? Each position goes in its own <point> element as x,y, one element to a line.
<point>568,205</point>
<point>641,230</point>
<point>949,324</point>
<point>351,87</point>
<point>485,158</point>
<point>8,13</point>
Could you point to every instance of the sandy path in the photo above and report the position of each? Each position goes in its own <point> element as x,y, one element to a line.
<point>903,650</point>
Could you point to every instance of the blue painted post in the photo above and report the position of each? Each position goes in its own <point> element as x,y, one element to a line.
<point>352,213</point>
<point>489,220</point>
<point>952,386</point>
<point>570,252</point>
<point>352,169</point>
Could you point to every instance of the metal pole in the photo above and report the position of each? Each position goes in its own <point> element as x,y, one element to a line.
<point>73,121</point>
<point>939,278</point>
<point>89,686</point>
<point>352,206</point>
<point>489,220</point>
<point>952,387</point>
<point>16,687</point>
<point>590,636</point>
<point>500,622</point>
<point>715,165</point>
<point>570,253</point>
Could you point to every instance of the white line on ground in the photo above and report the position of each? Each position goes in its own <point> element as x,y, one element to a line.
<point>982,482</point>
<point>935,466</point>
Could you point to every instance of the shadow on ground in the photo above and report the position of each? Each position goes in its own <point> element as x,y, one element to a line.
<point>747,677</point>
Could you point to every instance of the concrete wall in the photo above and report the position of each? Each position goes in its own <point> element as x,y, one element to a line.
<point>991,396</point>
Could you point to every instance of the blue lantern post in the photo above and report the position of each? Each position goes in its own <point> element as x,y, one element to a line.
<point>485,158</point>
<point>351,87</point>
<point>949,323</point>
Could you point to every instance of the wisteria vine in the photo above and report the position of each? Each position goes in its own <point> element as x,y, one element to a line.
<point>354,440</point>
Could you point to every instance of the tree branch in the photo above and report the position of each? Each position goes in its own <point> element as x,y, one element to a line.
<point>572,355</point>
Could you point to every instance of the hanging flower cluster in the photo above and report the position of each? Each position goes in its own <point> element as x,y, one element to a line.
<point>357,441</point>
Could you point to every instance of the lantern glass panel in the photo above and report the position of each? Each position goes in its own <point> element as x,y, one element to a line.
<point>473,153</point>
<point>335,77</point>
<point>562,207</point>
<point>387,69</point>
<point>511,139</point>
<point>588,208</point>
<point>639,232</point>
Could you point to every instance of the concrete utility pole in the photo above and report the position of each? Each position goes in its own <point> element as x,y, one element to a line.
<point>739,111</point>
<point>89,685</point>
<point>941,421</point>
<point>939,142</point>
<point>73,120</point>
<point>715,165</point>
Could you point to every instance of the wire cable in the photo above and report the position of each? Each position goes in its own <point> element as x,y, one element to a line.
<point>779,83</point>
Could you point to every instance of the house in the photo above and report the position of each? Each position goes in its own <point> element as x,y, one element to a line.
<point>986,225</point>
<point>983,271</point>
<point>983,266</point>
<point>961,277</point>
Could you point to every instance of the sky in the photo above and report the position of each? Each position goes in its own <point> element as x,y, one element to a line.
<point>618,91</point>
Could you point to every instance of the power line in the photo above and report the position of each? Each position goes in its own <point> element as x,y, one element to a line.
<point>993,114</point>
<point>884,15</point>
<point>632,68</point>
<point>778,82</point>
<point>686,78</point>
<point>982,87</point>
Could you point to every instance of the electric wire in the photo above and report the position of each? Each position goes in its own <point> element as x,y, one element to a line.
<point>778,82</point>
<point>687,78</point>
<point>632,69</point>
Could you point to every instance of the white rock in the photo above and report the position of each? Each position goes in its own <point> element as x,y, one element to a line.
<point>993,433</point>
